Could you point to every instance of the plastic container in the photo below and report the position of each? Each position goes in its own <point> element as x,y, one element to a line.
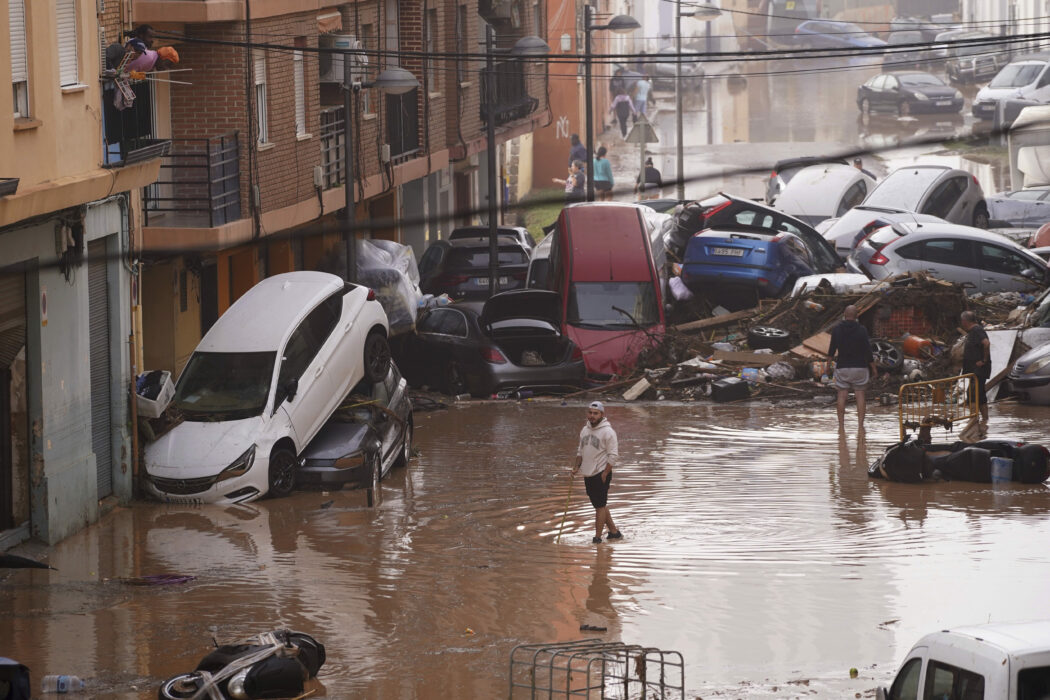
<point>752,375</point>
<point>61,684</point>
<point>813,306</point>
<point>1002,470</point>
<point>914,346</point>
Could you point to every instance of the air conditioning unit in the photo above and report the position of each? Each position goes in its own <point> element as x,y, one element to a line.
<point>330,63</point>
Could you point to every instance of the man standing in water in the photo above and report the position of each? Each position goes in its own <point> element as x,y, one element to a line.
<point>595,456</point>
<point>977,360</point>
<point>849,340</point>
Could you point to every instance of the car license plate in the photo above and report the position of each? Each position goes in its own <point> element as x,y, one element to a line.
<point>484,281</point>
<point>943,103</point>
<point>735,252</point>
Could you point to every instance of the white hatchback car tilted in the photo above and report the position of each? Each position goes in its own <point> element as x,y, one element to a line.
<point>260,385</point>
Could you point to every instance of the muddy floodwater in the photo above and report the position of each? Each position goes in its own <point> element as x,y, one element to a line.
<point>754,544</point>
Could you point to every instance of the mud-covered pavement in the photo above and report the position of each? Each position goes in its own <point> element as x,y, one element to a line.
<point>754,544</point>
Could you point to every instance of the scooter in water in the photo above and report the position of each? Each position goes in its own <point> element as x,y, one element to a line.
<point>270,665</point>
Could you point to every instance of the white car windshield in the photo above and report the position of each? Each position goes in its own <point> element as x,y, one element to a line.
<point>603,304</point>
<point>225,385</point>
<point>1016,75</point>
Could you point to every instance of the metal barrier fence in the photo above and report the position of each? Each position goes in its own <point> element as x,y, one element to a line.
<point>939,402</point>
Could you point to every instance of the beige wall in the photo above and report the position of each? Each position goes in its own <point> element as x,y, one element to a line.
<point>63,136</point>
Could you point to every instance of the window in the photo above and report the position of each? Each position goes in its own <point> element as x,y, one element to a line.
<point>591,304</point>
<point>306,341</point>
<point>944,681</point>
<point>66,41</point>
<point>392,34</point>
<point>299,77</point>
<point>912,251</point>
<point>368,38</point>
<point>906,685</point>
<point>259,66</point>
<point>948,252</point>
<point>996,259</point>
<point>891,83</point>
<point>945,197</point>
<point>854,196</point>
<point>19,68</point>
<point>431,49</point>
<point>1033,683</point>
<point>444,322</point>
<point>461,33</point>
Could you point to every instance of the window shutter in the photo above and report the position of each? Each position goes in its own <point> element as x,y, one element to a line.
<point>300,93</point>
<point>17,13</point>
<point>259,67</point>
<point>66,41</point>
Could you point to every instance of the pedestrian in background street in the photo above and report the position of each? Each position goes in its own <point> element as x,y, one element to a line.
<point>850,348</point>
<point>577,151</point>
<point>977,360</point>
<point>623,108</point>
<point>603,175</point>
<point>575,182</point>
<point>642,92</point>
<point>597,453</point>
<point>649,181</point>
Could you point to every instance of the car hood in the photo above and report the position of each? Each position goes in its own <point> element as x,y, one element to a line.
<point>868,41</point>
<point>934,92</point>
<point>336,439</point>
<point>193,449</point>
<point>613,351</point>
<point>1031,356</point>
<point>524,303</point>
<point>990,94</point>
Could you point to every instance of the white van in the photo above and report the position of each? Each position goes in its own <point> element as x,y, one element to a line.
<point>1024,79</point>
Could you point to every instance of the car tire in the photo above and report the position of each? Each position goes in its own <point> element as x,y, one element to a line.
<point>376,357</point>
<point>281,472</point>
<point>406,444</point>
<point>181,687</point>
<point>865,106</point>
<point>888,357</point>
<point>375,472</point>
<point>763,337</point>
<point>903,109</point>
<point>980,217</point>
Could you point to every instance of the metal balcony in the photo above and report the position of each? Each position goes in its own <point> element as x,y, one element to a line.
<point>199,184</point>
<point>512,98</point>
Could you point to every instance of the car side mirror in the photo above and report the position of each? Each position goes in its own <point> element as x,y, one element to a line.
<point>290,388</point>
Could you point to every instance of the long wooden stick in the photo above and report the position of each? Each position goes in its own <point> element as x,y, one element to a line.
<point>572,475</point>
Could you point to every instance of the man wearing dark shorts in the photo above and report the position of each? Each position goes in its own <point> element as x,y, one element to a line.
<point>595,456</point>
<point>850,343</point>
<point>977,360</point>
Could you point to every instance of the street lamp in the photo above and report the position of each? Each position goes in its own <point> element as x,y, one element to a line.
<point>620,24</point>
<point>392,81</point>
<point>705,12</point>
<point>525,46</point>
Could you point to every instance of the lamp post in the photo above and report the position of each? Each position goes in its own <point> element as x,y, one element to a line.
<point>705,12</point>
<point>620,24</point>
<point>393,81</point>
<point>525,46</point>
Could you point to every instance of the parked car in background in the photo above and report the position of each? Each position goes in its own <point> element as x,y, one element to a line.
<point>519,233</point>
<point>603,265</point>
<point>980,260</point>
<point>1029,208</point>
<point>974,58</point>
<point>514,341</point>
<point>947,193</point>
<point>928,27</point>
<point>1027,78</point>
<point>914,57</point>
<point>846,231</point>
<point>830,34</point>
<point>460,267</point>
<point>941,50</point>
<point>368,435</point>
<point>261,383</point>
<point>538,276</point>
<point>1030,376</point>
<point>662,71</point>
<point>907,93</point>
<point>819,192</point>
<point>786,169</point>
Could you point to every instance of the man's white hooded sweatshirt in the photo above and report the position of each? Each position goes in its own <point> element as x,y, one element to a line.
<point>598,447</point>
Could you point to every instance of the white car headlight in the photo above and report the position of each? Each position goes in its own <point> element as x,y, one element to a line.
<point>958,95</point>
<point>240,466</point>
<point>921,97</point>
<point>1037,365</point>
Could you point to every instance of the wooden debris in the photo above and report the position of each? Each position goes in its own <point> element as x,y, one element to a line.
<point>723,320</point>
<point>743,357</point>
<point>637,390</point>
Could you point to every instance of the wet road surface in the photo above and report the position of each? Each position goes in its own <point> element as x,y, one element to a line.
<point>754,544</point>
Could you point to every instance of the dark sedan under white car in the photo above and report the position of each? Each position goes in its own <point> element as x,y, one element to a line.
<point>905,93</point>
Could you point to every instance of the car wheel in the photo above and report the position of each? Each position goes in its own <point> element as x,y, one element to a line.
<point>183,686</point>
<point>377,357</point>
<point>775,339</point>
<point>282,472</point>
<point>374,474</point>
<point>865,106</point>
<point>903,109</point>
<point>455,382</point>
<point>980,217</point>
<point>888,356</point>
<point>406,443</point>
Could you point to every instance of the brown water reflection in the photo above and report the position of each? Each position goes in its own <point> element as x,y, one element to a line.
<point>755,545</point>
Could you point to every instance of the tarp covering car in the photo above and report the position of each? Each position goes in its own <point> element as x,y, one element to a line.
<point>389,269</point>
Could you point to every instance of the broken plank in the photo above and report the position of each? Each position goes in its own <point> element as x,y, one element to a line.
<point>640,387</point>
<point>742,357</point>
<point>724,319</point>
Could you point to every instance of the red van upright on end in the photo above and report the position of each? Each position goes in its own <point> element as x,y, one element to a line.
<point>602,264</point>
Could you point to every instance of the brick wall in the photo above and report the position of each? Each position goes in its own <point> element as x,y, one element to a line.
<point>369,133</point>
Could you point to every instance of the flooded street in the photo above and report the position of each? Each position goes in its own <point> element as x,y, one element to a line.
<point>754,544</point>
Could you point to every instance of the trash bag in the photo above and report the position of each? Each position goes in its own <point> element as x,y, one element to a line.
<point>780,370</point>
<point>390,270</point>
<point>1031,464</point>
<point>967,464</point>
<point>904,461</point>
<point>15,678</point>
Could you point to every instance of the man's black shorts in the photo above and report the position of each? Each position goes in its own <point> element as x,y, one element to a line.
<point>978,386</point>
<point>598,488</point>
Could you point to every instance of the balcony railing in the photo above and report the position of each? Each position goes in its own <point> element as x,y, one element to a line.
<point>127,135</point>
<point>512,98</point>
<point>199,184</point>
<point>333,139</point>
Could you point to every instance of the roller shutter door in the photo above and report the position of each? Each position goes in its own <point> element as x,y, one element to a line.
<point>12,338</point>
<point>98,320</point>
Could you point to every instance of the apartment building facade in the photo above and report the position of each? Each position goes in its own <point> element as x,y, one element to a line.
<point>255,177</point>
<point>68,229</point>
